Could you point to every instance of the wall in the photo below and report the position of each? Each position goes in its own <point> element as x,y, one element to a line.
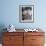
<point>9,13</point>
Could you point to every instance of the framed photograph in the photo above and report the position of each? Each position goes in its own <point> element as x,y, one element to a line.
<point>26,13</point>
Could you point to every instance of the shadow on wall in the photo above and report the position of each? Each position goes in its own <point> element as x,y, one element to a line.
<point>2,26</point>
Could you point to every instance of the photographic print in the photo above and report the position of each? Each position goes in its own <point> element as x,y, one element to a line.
<point>26,13</point>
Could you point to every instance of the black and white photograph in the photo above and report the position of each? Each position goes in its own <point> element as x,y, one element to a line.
<point>26,13</point>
